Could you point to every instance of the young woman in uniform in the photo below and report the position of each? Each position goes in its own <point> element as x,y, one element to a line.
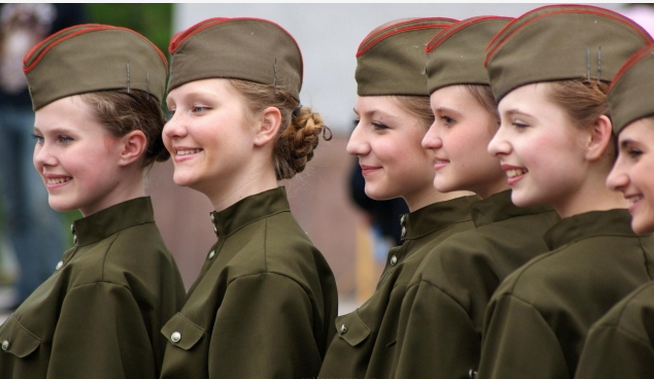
<point>100,314</point>
<point>265,301</point>
<point>393,115</point>
<point>621,344</point>
<point>556,145</point>
<point>442,313</point>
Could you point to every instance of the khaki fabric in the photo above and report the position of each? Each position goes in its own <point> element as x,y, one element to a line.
<point>264,304</point>
<point>91,58</point>
<point>365,344</point>
<point>391,59</point>
<point>538,318</point>
<point>621,344</point>
<point>439,332</point>
<point>99,315</point>
<point>456,55</point>
<point>630,95</point>
<point>561,43</point>
<point>238,48</point>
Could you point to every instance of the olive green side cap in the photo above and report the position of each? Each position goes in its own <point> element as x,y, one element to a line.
<point>250,49</point>
<point>456,55</point>
<point>561,43</point>
<point>91,58</point>
<point>631,90</point>
<point>391,59</point>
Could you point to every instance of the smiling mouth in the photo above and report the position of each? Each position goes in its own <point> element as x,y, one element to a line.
<point>53,181</point>
<point>187,152</point>
<point>634,199</point>
<point>516,172</point>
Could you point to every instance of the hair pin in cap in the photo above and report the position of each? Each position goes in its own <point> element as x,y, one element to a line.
<point>561,42</point>
<point>90,58</point>
<point>456,54</point>
<point>391,59</point>
<point>630,91</point>
<point>250,49</point>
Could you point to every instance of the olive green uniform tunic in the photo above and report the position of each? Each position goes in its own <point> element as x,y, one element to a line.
<point>537,320</point>
<point>442,315</point>
<point>99,315</point>
<point>620,344</point>
<point>365,344</point>
<point>264,303</point>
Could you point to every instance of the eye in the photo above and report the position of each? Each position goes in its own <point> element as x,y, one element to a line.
<point>519,125</point>
<point>199,109</point>
<point>634,152</point>
<point>39,139</point>
<point>64,139</point>
<point>447,120</point>
<point>378,126</point>
<point>171,112</point>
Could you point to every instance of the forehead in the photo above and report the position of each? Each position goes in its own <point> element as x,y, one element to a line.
<point>641,131</point>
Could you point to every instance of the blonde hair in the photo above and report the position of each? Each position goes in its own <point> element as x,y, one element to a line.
<point>299,132</point>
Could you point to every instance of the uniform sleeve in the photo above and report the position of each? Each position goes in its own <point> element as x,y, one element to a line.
<point>612,353</point>
<point>519,344</point>
<point>436,338</point>
<point>101,334</point>
<point>264,329</point>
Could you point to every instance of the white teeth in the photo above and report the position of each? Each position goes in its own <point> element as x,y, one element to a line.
<point>515,172</point>
<point>58,180</point>
<point>188,152</point>
<point>634,199</point>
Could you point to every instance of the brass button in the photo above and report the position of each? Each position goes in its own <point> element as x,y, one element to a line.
<point>215,229</point>
<point>472,374</point>
<point>59,265</point>
<point>212,254</point>
<point>74,238</point>
<point>176,337</point>
<point>402,220</point>
<point>403,232</point>
<point>343,329</point>
<point>213,217</point>
<point>393,260</point>
<point>5,345</point>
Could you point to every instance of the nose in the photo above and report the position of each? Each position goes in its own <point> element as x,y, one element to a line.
<point>357,144</point>
<point>618,178</point>
<point>432,139</point>
<point>174,128</point>
<point>499,145</point>
<point>43,157</point>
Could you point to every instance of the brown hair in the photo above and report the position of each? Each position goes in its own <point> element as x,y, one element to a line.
<point>583,101</point>
<point>484,95</point>
<point>419,106</point>
<point>121,112</point>
<point>299,132</point>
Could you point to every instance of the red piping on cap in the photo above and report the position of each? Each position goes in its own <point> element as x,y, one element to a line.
<point>615,17</point>
<point>447,33</point>
<point>392,30</point>
<point>635,58</point>
<point>89,28</point>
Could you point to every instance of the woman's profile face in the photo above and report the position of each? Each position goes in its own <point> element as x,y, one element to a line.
<point>208,136</point>
<point>76,157</point>
<point>458,139</point>
<point>633,171</point>
<point>386,140</point>
<point>539,149</point>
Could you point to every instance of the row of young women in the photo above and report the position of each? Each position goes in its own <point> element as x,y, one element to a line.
<point>499,135</point>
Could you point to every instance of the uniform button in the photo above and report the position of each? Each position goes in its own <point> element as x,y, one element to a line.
<point>393,260</point>
<point>5,345</point>
<point>213,217</point>
<point>59,265</point>
<point>212,254</point>
<point>402,219</point>
<point>403,232</point>
<point>74,238</point>
<point>176,337</point>
<point>343,329</point>
<point>72,228</point>
<point>215,229</point>
<point>472,374</point>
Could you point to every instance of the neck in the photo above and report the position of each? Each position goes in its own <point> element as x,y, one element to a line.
<point>245,185</point>
<point>432,196</point>
<point>592,196</point>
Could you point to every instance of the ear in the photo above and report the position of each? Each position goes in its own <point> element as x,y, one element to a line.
<point>599,139</point>
<point>271,119</point>
<point>133,145</point>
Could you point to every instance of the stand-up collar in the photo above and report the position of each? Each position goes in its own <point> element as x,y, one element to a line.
<point>615,222</point>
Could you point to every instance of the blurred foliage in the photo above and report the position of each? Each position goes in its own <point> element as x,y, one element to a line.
<point>154,20</point>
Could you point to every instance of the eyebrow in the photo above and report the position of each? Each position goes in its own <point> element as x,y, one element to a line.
<point>513,112</point>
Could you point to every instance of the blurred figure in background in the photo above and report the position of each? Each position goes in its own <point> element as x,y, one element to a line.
<point>32,229</point>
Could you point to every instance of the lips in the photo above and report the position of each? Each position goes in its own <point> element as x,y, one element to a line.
<point>514,173</point>
<point>439,163</point>
<point>634,201</point>
<point>366,170</point>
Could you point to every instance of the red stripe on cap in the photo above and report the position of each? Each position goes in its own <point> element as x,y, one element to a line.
<point>89,28</point>
<point>395,31</point>
<point>635,58</point>
<point>447,33</point>
<point>615,17</point>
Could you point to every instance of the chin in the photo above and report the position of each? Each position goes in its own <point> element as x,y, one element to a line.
<point>60,206</point>
<point>642,226</point>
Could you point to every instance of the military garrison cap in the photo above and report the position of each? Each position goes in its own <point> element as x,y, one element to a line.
<point>630,91</point>
<point>456,55</point>
<point>391,59</point>
<point>561,42</point>
<point>237,48</point>
<point>90,58</point>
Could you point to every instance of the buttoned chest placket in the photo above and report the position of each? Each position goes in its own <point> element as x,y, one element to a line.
<point>68,255</point>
